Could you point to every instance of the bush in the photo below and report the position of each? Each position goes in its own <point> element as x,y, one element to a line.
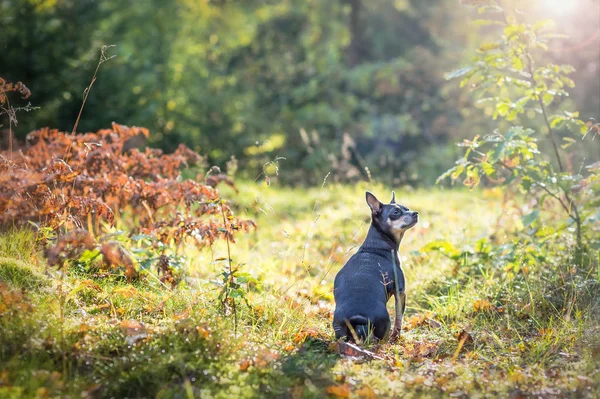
<point>509,73</point>
<point>77,188</point>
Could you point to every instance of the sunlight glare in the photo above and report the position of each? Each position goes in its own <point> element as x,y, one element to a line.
<point>559,6</point>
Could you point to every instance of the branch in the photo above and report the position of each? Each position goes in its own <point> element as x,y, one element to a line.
<point>565,207</point>
<point>544,113</point>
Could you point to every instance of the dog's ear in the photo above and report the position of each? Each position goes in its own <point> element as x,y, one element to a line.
<point>393,201</point>
<point>373,203</point>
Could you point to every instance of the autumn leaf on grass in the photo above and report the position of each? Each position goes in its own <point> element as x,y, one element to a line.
<point>84,328</point>
<point>289,348</point>
<point>419,320</point>
<point>411,381</point>
<point>127,291</point>
<point>418,350</point>
<point>260,361</point>
<point>12,301</point>
<point>245,364</point>
<point>483,305</point>
<point>134,331</point>
<point>517,376</point>
<point>464,337</point>
<point>302,335</point>
<point>366,392</point>
<point>203,331</point>
<point>339,391</point>
<point>117,256</point>
<point>265,358</point>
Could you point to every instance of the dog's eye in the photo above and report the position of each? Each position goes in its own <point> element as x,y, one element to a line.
<point>396,211</point>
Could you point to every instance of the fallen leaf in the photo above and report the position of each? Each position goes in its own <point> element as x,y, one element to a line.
<point>302,335</point>
<point>244,364</point>
<point>463,338</point>
<point>42,393</point>
<point>340,391</point>
<point>134,331</point>
<point>417,350</point>
<point>128,291</point>
<point>417,380</point>
<point>366,392</point>
<point>483,305</point>
<point>203,331</point>
<point>263,359</point>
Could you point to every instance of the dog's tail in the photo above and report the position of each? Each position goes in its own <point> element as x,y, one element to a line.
<point>360,325</point>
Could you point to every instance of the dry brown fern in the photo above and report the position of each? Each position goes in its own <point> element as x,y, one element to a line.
<point>103,182</point>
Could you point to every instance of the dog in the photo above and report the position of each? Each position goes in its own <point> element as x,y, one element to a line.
<point>372,275</point>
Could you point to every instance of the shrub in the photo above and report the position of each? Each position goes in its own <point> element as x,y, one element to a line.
<point>509,74</point>
<point>75,188</point>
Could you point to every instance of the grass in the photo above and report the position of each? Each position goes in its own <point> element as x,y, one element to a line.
<point>474,327</point>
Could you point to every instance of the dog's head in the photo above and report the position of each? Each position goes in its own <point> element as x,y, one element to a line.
<point>392,219</point>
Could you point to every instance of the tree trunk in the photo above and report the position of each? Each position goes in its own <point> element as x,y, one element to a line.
<point>355,47</point>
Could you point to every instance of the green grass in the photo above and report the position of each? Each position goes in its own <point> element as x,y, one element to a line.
<point>79,333</point>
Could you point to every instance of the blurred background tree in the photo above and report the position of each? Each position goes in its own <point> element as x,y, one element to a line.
<point>331,85</point>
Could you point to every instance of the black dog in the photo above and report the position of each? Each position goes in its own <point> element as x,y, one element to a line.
<point>372,275</point>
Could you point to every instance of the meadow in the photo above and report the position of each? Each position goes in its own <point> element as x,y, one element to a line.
<point>194,257</point>
<point>472,328</point>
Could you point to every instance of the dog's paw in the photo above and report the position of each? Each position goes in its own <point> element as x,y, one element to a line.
<point>395,336</point>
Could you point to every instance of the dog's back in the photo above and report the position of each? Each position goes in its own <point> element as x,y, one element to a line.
<point>361,295</point>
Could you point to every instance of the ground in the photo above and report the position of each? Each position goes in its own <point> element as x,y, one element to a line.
<point>474,327</point>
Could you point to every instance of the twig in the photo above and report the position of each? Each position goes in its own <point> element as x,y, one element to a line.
<point>544,113</point>
<point>86,92</point>
<point>226,226</point>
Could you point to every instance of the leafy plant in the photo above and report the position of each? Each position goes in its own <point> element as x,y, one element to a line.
<point>235,284</point>
<point>104,182</point>
<point>509,74</point>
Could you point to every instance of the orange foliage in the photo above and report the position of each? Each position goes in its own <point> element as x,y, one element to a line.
<point>18,87</point>
<point>77,185</point>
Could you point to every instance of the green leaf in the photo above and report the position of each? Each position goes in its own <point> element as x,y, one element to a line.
<point>530,218</point>
<point>498,152</point>
<point>88,256</point>
<point>442,246</point>
<point>545,231</point>
<point>572,115</point>
<point>502,108</point>
<point>513,30</point>
<point>517,63</point>
<point>568,142</point>
<point>488,169</point>
<point>237,293</point>
<point>527,183</point>
<point>489,47</point>
<point>556,120</point>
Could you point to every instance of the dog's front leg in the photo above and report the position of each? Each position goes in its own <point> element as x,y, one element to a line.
<point>400,300</point>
